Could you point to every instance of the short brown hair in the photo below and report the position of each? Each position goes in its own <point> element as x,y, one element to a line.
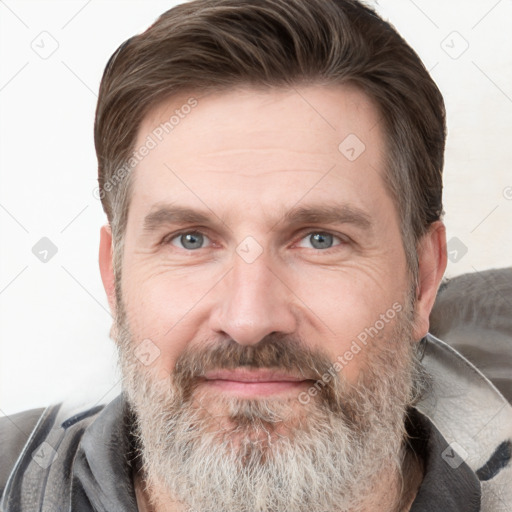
<point>216,45</point>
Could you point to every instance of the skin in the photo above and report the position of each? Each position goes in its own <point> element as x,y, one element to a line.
<point>248,157</point>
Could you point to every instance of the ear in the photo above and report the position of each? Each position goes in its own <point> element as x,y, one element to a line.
<point>432,259</point>
<point>106,266</point>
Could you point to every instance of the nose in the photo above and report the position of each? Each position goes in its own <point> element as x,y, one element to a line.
<point>251,302</point>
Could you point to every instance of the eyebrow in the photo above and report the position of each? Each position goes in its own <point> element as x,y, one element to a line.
<point>329,214</point>
<point>172,214</point>
<point>166,214</point>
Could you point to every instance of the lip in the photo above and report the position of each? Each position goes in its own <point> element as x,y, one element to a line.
<point>261,382</point>
<point>246,375</point>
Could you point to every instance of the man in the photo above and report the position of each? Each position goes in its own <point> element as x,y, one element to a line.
<point>271,173</point>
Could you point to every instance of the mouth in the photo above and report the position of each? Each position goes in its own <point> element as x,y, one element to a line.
<point>246,383</point>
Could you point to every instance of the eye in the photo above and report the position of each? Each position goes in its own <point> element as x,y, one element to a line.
<point>320,240</point>
<point>193,240</point>
<point>189,240</point>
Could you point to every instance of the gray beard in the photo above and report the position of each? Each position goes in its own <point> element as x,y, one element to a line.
<point>272,454</point>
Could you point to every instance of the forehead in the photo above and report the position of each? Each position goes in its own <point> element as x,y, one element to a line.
<point>270,148</point>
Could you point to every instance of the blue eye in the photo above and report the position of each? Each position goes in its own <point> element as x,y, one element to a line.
<point>190,240</point>
<point>320,240</point>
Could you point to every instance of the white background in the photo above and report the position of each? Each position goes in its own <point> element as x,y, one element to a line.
<point>54,321</point>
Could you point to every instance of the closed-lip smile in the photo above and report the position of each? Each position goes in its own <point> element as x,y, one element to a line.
<point>254,382</point>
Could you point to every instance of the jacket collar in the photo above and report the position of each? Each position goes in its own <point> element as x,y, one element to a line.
<point>105,459</point>
<point>449,484</point>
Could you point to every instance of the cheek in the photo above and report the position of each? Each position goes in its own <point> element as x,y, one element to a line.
<point>346,299</point>
<point>164,307</point>
<point>350,311</point>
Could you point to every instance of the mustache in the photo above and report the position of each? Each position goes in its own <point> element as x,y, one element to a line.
<point>275,351</point>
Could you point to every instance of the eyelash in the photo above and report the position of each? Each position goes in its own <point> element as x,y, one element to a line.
<point>342,238</point>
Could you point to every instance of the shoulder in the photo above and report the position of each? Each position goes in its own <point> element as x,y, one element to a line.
<point>15,430</point>
<point>472,313</point>
<point>35,443</point>
<point>474,418</point>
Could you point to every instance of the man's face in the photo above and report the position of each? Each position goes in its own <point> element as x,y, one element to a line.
<point>248,161</point>
<point>295,268</point>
